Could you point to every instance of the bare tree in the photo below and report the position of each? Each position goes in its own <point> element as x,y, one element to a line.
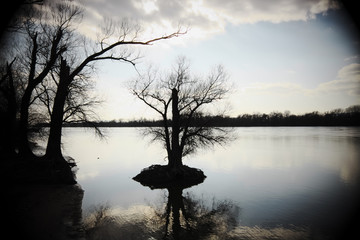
<point>8,109</point>
<point>186,97</point>
<point>52,49</point>
<point>45,43</point>
<point>68,75</point>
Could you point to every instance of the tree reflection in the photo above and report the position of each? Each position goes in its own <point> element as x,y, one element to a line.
<point>180,216</point>
<point>187,217</point>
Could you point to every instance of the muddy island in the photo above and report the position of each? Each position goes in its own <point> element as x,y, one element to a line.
<point>163,176</point>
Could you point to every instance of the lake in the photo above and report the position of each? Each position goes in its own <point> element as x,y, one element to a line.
<point>290,182</point>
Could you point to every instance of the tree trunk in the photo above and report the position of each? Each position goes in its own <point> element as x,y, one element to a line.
<point>54,141</point>
<point>175,160</point>
<point>12,109</point>
<point>53,149</point>
<point>24,146</point>
<point>8,122</point>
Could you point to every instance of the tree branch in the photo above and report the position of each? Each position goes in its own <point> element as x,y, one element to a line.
<point>96,56</point>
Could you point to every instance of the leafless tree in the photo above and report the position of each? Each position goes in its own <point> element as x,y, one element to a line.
<point>45,41</point>
<point>50,49</point>
<point>68,75</point>
<point>79,102</point>
<point>185,97</point>
<point>8,109</point>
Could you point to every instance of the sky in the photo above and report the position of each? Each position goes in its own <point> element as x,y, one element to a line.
<point>295,55</point>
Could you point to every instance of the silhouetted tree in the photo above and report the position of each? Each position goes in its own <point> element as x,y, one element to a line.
<point>353,109</point>
<point>186,97</point>
<point>79,103</point>
<point>67,76</point>
<point>13,17</point>
<point>45,43</point>
<point>8,109</point>
<point>55,68</point>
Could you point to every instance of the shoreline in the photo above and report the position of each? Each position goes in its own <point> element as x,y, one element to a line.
<point>44,211</point>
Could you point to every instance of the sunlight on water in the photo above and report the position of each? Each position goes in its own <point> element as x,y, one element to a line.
<point>286,181</point>
<point>145,222</point>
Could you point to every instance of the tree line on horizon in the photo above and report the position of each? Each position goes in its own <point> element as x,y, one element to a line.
<point>338,117</point>
<point>46,70</point>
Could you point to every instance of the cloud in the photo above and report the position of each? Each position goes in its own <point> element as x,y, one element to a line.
<point>341,92</point>
<point>351,58</point>
<point>347,81</point>
<point>204,17</point>
<point>275,11</point>
<point>86,175</point>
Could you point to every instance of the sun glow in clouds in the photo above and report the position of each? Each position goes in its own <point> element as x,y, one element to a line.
<point>149,6</point>
<point>280,54</point>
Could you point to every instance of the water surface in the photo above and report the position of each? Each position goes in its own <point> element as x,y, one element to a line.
<point>280,178</point>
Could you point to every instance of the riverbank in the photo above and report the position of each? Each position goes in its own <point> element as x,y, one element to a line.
<point>338,117</point>
<point>38,211</point>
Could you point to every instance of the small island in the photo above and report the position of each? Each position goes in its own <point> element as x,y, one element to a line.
<point>163,176</point>
<point>184,96</point>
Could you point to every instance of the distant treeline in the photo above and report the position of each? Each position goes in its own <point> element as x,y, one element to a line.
<point>338,117</point>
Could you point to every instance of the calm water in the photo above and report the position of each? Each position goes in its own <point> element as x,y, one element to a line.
<point>294,182</point>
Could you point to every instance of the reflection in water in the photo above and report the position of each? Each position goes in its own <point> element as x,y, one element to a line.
<point>349,170</point>
<point>186,217</point>
<point>281,177</point>
<point>180,216</point>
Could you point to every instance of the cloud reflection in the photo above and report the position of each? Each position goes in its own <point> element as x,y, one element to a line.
<point>146,222</point>
<point>180,216</point>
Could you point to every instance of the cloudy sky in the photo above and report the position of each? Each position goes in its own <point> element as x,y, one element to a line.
<point>296,55</point>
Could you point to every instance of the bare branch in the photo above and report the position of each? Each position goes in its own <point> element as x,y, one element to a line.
<point>99,54</point>
<point>192,94</point>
